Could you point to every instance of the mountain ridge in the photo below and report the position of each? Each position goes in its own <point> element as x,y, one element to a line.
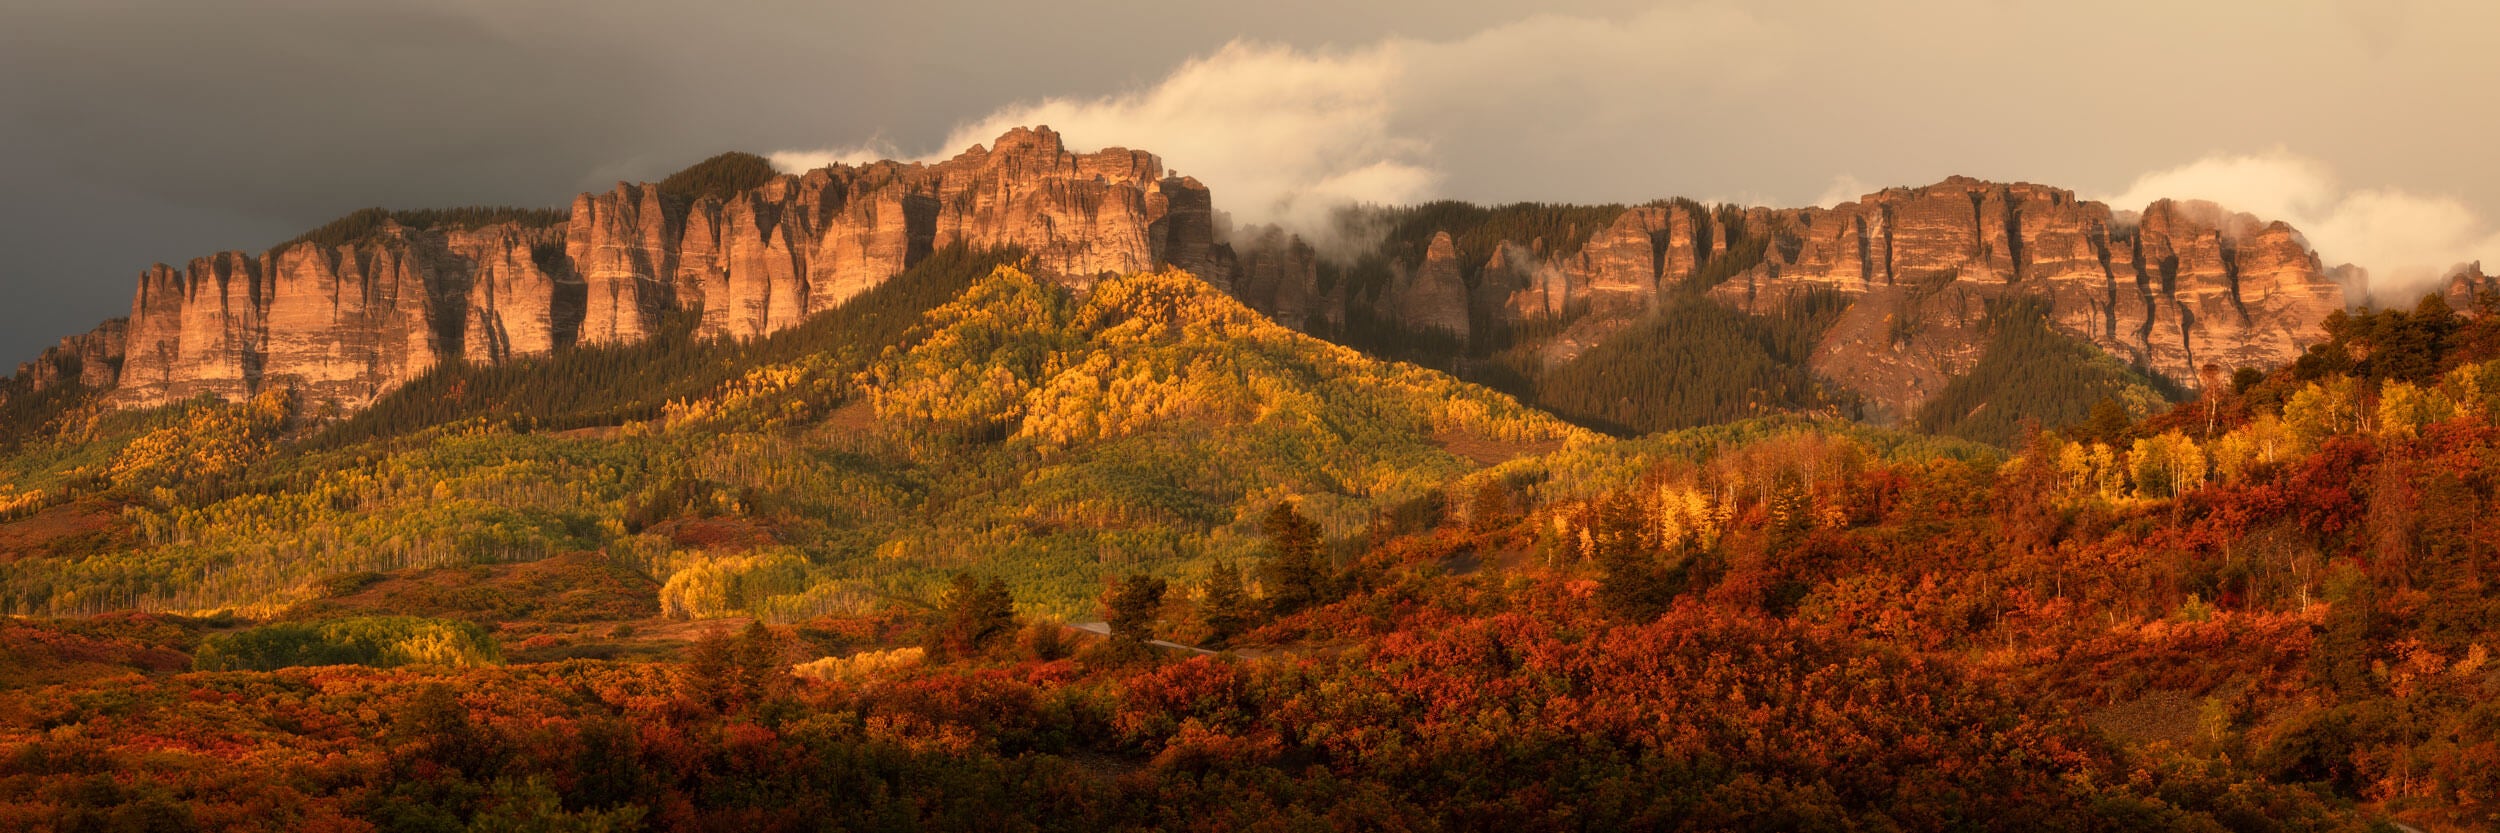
<point>2167,290</point>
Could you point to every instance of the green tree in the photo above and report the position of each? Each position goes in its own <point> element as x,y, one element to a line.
<point>722,176</point>
<point>2409,347</point>
<point>2166,465</point>
<point>1130,607</point>
<point>2403,408</point>
<point>729,673</point>
<point>1296,576</point>
<point>608,766</point>
<point>1490,509</point>
<point>434,727</point>
<point>972,613</point>
<point>2245,378</point>
<point>1227,608</point>
<point>101,803</point>
<point>1632,581</point>
<point>528,805</point>
<point>2322,409</point>
<point>2109,422</point>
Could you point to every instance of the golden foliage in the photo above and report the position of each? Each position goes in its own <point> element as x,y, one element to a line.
<point>13,502</point>
<point>861,666</point>
<point>708,586</point>
<point>2323,409</point>
<point>2403,408</point>
<point>2264,441</point>
<point>211,442</point>
<point>2166,465</point>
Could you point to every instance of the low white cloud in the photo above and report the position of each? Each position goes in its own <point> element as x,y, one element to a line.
<point>2407,241</point>
<point>801,161</point>
<point>1285,135</point>
<point>1281,135</point>
<point>1703,98</point>
<point>1844,188</point>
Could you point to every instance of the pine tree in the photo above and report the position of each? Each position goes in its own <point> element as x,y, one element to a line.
<point>435,727</point>
<point>1130,607</point>
<point>1296,577</point>
<point>972,613</point>
<point>728,673</point>
<point>1227,609</point>
<point>1490,509</point>
<point>1631,581</point>
<point>2109,422</point>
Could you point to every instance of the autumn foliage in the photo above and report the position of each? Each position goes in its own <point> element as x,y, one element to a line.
<point>2271,608</point>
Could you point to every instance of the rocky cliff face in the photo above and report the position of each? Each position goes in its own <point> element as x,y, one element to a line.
<point>1433,296</point>
<point>522,299</point>
<point>92,358</point>
<point>340,324</point>
<point>1278,274</point>
<point>2170,288</point>
<point>345,324</point>
<point>2466,288</point>
<point>766,259</point>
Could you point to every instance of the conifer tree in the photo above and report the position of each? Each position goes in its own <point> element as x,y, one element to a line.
<point>1631,581</point>
<point>2109,422</point>
<point>1227,609</point>
<point>973,612</point>
<point>1491,508</point>
<point>1130,607</point>
<point>728,673</point>
<point>1296,577</point>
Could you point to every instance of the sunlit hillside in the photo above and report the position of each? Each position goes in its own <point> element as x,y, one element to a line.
<point>1044,434</point>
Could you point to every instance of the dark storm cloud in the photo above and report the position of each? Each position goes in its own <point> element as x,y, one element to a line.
<point>138,133</point>
<point>298,111</point>
<point>159,130</point>
<point>146,130</point>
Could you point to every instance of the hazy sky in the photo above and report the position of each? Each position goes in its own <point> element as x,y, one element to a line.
<point>139,131</point>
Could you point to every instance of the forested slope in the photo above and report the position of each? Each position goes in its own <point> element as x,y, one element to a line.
<point>962,413</point>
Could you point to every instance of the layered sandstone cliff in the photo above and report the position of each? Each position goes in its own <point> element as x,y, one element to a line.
<point>2170,289</point>
<point>346,323</point>
<point>1433,296</point>
<point>765,259</point>
<point>2467,288</point>
<point>340,324</point>
<point>92,359</point>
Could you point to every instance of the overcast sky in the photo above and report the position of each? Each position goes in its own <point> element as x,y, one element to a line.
<point>139,131</point>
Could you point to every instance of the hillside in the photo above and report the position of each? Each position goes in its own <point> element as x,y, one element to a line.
<point>2261,611</point>
<point>1001,493</point>
<point>1018,425</point>
<point>1612,315</point>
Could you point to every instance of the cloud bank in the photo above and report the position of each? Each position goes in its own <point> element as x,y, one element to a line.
<point>1283,135</point>
<point>1589,108</point>
<point>2407,241</point>
<point>1286,135</point>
